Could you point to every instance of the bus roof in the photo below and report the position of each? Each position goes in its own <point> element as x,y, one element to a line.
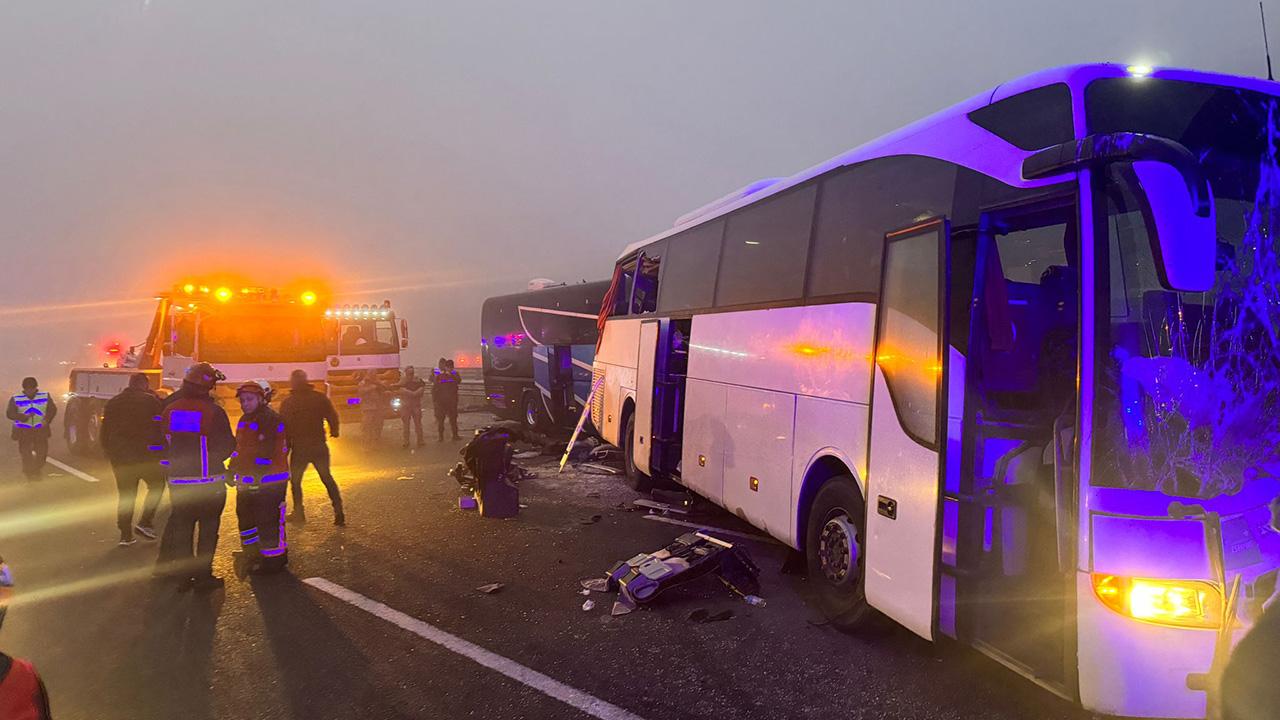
<point>950,135</point>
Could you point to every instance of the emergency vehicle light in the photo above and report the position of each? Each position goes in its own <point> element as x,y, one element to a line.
<point>1178,603</point>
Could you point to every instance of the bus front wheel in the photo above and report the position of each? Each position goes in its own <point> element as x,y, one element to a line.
<point>636,480</point>
<point>834,549</point>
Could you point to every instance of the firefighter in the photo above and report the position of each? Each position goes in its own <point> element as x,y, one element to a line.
<point>412,388</point>
<point>198,441</point>
<point>373,400</point>
<point>305,412</point>
<point>132,441</point>
<point>444,397</point>
<point>32,412</point>
<point>22,693</point>
<point>260,472</point>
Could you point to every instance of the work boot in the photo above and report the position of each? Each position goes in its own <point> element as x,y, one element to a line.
<point>297,517</point>
<point>145,531</point>
<point>126,538</point>
<point>243,563</point>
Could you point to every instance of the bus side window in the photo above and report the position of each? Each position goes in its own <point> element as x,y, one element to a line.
<point>622,301</point>
<point>645,297</point>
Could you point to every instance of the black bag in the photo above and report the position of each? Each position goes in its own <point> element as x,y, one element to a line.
<point>487,459</point>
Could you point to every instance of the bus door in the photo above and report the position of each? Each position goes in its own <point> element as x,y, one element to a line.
<point>1008,514</point>
<point>906,404</point>
<point>660,387</point>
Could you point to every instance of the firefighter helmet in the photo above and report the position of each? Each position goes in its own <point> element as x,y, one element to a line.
<point>203,375</point>
<point>261,388</point>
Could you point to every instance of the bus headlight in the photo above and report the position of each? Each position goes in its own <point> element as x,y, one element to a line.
<point>1177,603</point>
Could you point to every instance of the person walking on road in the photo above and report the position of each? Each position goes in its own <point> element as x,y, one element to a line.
<point>132,441</point>
<point>260,467</point>
<point>198,441</point>
<point>32,412</point>
<point>412,388</point>
<point>373,401</point>
<point>305,413</point>
<point>444,397</point>
<point>22,692</point>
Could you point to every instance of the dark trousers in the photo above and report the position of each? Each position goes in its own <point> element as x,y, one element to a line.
<point>33,447</point>
<point>260,514</point>
<point>411,415</point>
<point>128,475</point>
<point>191,535</point>
<point>302,456</point>
<point>449,411</point>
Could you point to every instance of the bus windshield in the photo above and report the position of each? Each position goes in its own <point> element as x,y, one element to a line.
<point>1189,383</point>
<point>262,334</point>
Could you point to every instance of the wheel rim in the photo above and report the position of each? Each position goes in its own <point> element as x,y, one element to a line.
<point>530,413</point>
<point>73,435</point>
<point>838,549</point>
<point>93,428</point>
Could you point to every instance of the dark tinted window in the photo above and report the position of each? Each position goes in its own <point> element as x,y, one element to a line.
<point>1031,120</point>
<point>764,250</point>
<point>644,298</point>
<point>860,205</point>
<point>689,272</point>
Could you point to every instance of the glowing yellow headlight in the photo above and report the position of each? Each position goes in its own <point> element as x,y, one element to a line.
<point>223,294</point>
<point>308,298</point>
<point>1178,603</point>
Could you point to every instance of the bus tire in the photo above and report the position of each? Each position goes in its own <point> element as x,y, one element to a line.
<point>77,430</point>
<point>533,415</point>
<point>635,479</point>
<point>835,553</point>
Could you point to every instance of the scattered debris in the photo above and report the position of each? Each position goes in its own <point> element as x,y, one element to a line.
<point>591,520</point>
<point>754,600</point>
<point>523,506</point>
<point>527,454</point>
<point>491,588</point>
<point>595,584</point>
<point>487,474</point>
<point>593,495</point>
<point>405,477</point>
<point>659,506</point>
<point>702,616</point>
<point>468,502</point>
<point>584,591</point>
<point>598,469</point>
<point>589,605</point>
<point>621,607</point>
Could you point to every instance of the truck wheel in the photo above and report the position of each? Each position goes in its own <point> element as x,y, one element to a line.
<point>77,432</point>
<point>835,553</point>
<point>636,480</point>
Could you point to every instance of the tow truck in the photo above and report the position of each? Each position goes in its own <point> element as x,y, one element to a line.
<point>247,332</point>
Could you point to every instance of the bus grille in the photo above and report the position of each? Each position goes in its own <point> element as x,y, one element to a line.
<point>597,400</point>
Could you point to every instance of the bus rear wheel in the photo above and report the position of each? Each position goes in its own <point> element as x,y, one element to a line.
<point>636,480</point>
<point>534,413</point>
<point>834,550</point>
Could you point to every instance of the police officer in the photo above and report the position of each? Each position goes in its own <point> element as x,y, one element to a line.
<point>444,397</point>
<point>198,442</point>
<point>32,412</point>
<point>132,441</point>
<point>412,388</point>
<point>22,693</point>
<point>305,413</point>
<point>260,467</point>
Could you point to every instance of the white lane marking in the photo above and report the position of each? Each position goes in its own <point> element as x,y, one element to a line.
<point>78,473</point>
<point>585,702</point>
<point>710,529</point>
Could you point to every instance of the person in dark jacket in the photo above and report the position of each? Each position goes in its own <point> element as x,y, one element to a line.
<point>260,468</point>
<point>444,397</point>
<point>412,388</point>
<point>305,413</point>
<point>198,441</point>
<point>32,412</point>
<point>132,441</point>
<point>22,692</point>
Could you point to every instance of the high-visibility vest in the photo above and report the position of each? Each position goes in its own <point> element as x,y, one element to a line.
<point>33,410</point>
<point>20,696</point>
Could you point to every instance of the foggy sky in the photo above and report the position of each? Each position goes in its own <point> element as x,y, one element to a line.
<point>437,153</point>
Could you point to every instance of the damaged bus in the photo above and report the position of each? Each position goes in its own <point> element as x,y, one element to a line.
<point>1008,375</point>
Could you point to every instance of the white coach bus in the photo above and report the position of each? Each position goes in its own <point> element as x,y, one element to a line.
<point>1008,375</point>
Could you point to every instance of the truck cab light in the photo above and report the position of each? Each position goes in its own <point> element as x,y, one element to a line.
<point>1176,603</point>
<point>189,289</point>
<point>223,294</point>
<point>308,298</point>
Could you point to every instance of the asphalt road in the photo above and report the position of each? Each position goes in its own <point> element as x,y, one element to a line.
<point>416,640</point>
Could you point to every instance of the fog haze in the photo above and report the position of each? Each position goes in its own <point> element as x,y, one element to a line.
<point>438,153</point>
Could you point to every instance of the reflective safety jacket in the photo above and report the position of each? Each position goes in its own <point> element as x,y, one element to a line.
<point>261,456</point>
<point>22,695</point>
<point>198,438</point>
<point>31,413</point>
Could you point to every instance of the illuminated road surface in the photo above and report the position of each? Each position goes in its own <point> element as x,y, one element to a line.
<point>392,626</point>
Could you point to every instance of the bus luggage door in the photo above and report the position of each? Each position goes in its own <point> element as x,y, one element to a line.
<point>906,408</point>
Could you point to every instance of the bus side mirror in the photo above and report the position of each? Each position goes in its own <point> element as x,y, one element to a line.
<point>404,331</point>
<point>1186,231</point>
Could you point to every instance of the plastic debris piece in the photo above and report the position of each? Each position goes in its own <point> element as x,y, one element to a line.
<point>755,600</point>
<point>621,608</point>
<point>527,454</point>
<point>491,588</point>
<point>523,506</point>
<point>584,591</point>
<point>660,506</point>
<point>589,605</point>
<point>591,520</point>
<point>595,584</point>
<point>598,469</point>
<point>405,477</point>
<point>468,502</point>
<point>702,616</point>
